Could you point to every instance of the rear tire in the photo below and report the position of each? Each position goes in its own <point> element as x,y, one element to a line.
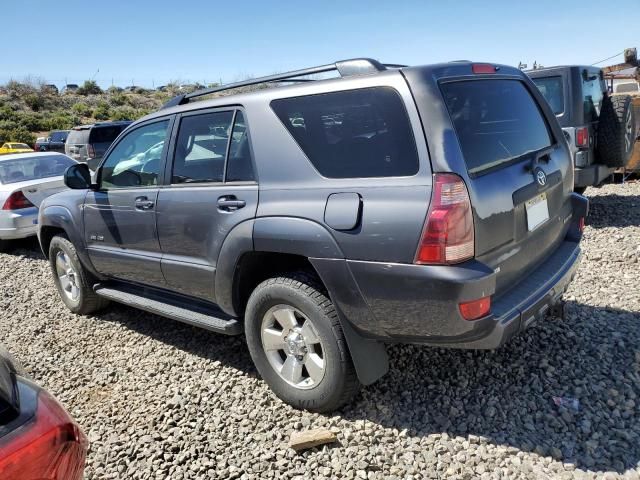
<point>73,281</point>
<point>297,344</point>
<point>616,131</point>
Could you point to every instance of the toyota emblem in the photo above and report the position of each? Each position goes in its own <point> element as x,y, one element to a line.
<point>541,177</point>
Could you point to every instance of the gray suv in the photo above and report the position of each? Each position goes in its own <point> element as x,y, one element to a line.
<point>326,218</point>
<point>88,143</point>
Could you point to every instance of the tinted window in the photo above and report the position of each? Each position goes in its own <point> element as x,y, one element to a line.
<point>551,89</point>
<point>105,134</point>
<point>592,94</point>
<point>495,120</point>
<point>136,159</point>
<point>32,168</point>
<point>58,136</point>
<point>239,166</point>
<point>351,134</point>
<point>79,137</point>
<point>201,148</point>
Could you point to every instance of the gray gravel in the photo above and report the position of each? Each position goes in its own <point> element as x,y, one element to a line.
<point>158,399</point>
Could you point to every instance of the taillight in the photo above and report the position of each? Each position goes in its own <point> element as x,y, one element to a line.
<point>50,447</point>
<point>475,309</point>
<point>448,235</point>
<point>483,68</point>
<point>16,201</point>
<point>581,225</point>
<point>91,152</point>
<point>582,137</point>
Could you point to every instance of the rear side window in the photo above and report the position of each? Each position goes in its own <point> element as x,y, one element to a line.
<point>79,137</point>
<point>496,121</point>
<point>105,134</point>
<point>592,95</point>
<point>201,148</point>
<point>551,89</point>
<point>352,134</point>
<point>239,165</point>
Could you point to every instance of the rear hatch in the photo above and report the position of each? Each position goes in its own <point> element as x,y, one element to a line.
<point>76,146</point>
<point>36,191</point>
<point>517,168</point>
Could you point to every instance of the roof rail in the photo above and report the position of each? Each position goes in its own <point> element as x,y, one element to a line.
<point>346,68</point>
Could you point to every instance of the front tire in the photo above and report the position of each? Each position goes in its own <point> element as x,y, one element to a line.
<point>73,281</point>
<point>297,343</point>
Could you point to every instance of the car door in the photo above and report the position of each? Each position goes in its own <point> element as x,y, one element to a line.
<point>119,216</point>
<point>210,189</point>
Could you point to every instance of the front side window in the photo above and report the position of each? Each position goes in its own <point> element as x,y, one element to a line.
<point>352,134</point>
<point>201,148</point>
<point>136,160</point>
<point>495,120</point>
<point>551,89</point>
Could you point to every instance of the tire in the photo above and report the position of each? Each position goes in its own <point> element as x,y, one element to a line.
<point>76,291</point>
<point>301,295</point>
<point>5,245</point>
<point>616,131</point>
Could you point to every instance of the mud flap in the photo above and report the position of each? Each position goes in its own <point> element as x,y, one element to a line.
<point>369,357</point>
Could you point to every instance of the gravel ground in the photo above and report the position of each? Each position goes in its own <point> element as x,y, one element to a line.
<point>158,399</point>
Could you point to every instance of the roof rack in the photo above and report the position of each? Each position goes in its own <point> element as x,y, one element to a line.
<point>346,68</point>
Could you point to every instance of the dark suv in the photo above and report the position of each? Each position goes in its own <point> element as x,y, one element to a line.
<point>600,128</point>
<point>326,218</point>
<point>88,143</point>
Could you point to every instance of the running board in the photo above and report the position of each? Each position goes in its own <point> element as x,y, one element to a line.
<point>191,313</point>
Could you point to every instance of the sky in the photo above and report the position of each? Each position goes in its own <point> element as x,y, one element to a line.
<point>149,43</point>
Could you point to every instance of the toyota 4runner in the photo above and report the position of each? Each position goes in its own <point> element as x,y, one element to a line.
<point>325,218</point>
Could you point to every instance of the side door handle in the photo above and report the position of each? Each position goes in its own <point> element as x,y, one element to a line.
<point>230,203</point>
<point>143,203</point>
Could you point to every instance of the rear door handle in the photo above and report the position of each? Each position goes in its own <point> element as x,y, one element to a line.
<point>143,203</point>
<point>230,203</point>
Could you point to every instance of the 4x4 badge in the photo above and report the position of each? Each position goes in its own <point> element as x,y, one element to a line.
<point>541,177</point>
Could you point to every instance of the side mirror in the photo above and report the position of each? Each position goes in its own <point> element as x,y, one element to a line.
<point>78,177</point>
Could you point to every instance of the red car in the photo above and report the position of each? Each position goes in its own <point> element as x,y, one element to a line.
<point>38,438</point>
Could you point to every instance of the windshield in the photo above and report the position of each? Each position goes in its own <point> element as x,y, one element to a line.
<point>33,168</point>
<point>551,89</point>
<point>496,121</point>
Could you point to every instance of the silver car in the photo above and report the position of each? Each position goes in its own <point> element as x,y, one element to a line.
<point>26,179</point>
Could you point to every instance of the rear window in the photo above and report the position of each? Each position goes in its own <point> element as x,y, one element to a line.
<point>105,134</point>
<point>592,95</point>
<point>19,145</point>
<point>79,137</point>
<point>496,121</point>
<point>33,168</point>
<point>551,89</point>
<point>352,134</point>
<point>58,136</point>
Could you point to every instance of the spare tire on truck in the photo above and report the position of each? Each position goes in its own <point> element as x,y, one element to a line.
<point>616,131</point>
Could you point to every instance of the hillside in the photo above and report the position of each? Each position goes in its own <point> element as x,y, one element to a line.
<point>27,110</point>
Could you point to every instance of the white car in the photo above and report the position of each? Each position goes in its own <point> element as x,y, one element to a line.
<point>26,179</point>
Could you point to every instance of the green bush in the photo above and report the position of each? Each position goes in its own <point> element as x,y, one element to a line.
<point>61,121</point>
<point>118,99</point>
<point>8,125</point>
<point>102,111</point>
<point>34,101</point>
<point>123,113</point>
<point>20,135</point>
<point>34,122</point>
<point>89,87</point>
<point>82,109</point>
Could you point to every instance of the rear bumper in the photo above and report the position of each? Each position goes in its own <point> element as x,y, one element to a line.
<point>16,224</point>
<point>419,304</point>
<point>592,175</point>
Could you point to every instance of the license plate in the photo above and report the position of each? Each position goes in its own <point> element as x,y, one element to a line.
<point>537,211</point>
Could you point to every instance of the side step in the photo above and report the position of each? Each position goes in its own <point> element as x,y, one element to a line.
<point>192,312</point>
